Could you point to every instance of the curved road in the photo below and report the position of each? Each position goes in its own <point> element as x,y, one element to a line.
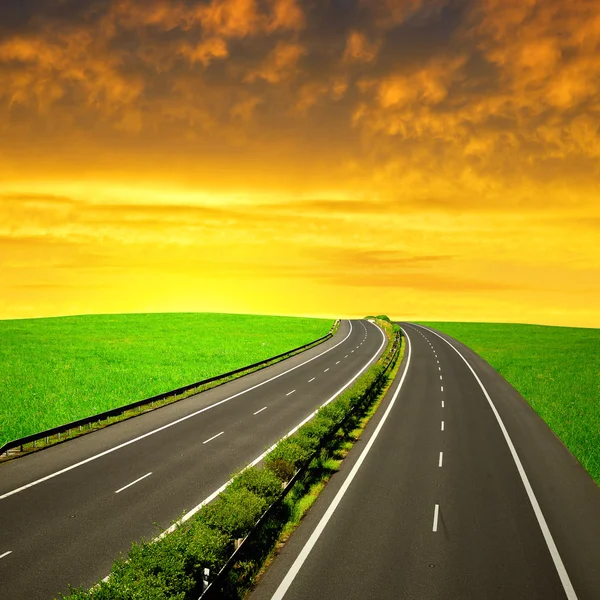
<point>67,512</point>
<point>457,490</point>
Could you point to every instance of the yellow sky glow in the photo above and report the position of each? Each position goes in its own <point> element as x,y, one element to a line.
<point>423,159</point>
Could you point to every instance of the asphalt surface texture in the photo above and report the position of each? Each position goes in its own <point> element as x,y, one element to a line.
<point>430,502</point>
<point>66,513</point>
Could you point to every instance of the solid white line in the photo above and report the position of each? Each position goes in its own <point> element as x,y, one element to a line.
<point>297,565</point>
<point>130,484</point>
<point>145,435</point>
<point>311,379</point>
<point>259,411</point>
<point>441,458</point>
<point>5,554</point>
<point>212,496</point>
<point>442,425</point>
<point>213,437</point>
<point>290,393</point>
<point>436,512</point>
<point>558,563</point>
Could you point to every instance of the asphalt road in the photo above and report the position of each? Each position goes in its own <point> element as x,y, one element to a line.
<point>67,512</point>
<point>430,503</point>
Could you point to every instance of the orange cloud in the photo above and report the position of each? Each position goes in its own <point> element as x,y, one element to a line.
<point>358,48</point>
<point>280,64</point>
<point>206,50</point>
<point>313,92</point>
<point>240,18</point>
<point>389,13</point>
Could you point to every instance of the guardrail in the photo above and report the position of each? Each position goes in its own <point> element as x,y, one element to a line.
<point>115,412</point>
<point>214,586</point>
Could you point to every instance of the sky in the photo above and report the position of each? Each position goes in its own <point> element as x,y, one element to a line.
<point>427,159</point>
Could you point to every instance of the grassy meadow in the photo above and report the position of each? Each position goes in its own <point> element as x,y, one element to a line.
<point>56,370</point>
<point>556,369</point>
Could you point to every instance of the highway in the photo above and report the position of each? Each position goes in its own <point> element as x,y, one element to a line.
<point>68,511</point>
<point>456,490</point>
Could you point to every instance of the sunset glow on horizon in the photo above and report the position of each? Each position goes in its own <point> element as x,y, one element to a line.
<point>429,159</point>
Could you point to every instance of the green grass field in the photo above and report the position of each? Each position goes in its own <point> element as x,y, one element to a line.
<point>56,370</point>
<point>556,369</point>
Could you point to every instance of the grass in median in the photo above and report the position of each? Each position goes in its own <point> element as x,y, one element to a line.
<point>556,369</point>
<point>57,370</point>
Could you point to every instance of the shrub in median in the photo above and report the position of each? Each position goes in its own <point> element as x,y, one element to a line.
<point>262,482</point>
<point>334,412</point>
<point>314,431</point>
<point>169,568</point>
<point>287,456</point>
<point>283,469</point>
<point>234,512</point>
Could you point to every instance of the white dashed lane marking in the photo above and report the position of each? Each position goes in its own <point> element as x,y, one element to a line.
<point>436,512</point>
<point>213,437</point>
<point>132,483</point>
